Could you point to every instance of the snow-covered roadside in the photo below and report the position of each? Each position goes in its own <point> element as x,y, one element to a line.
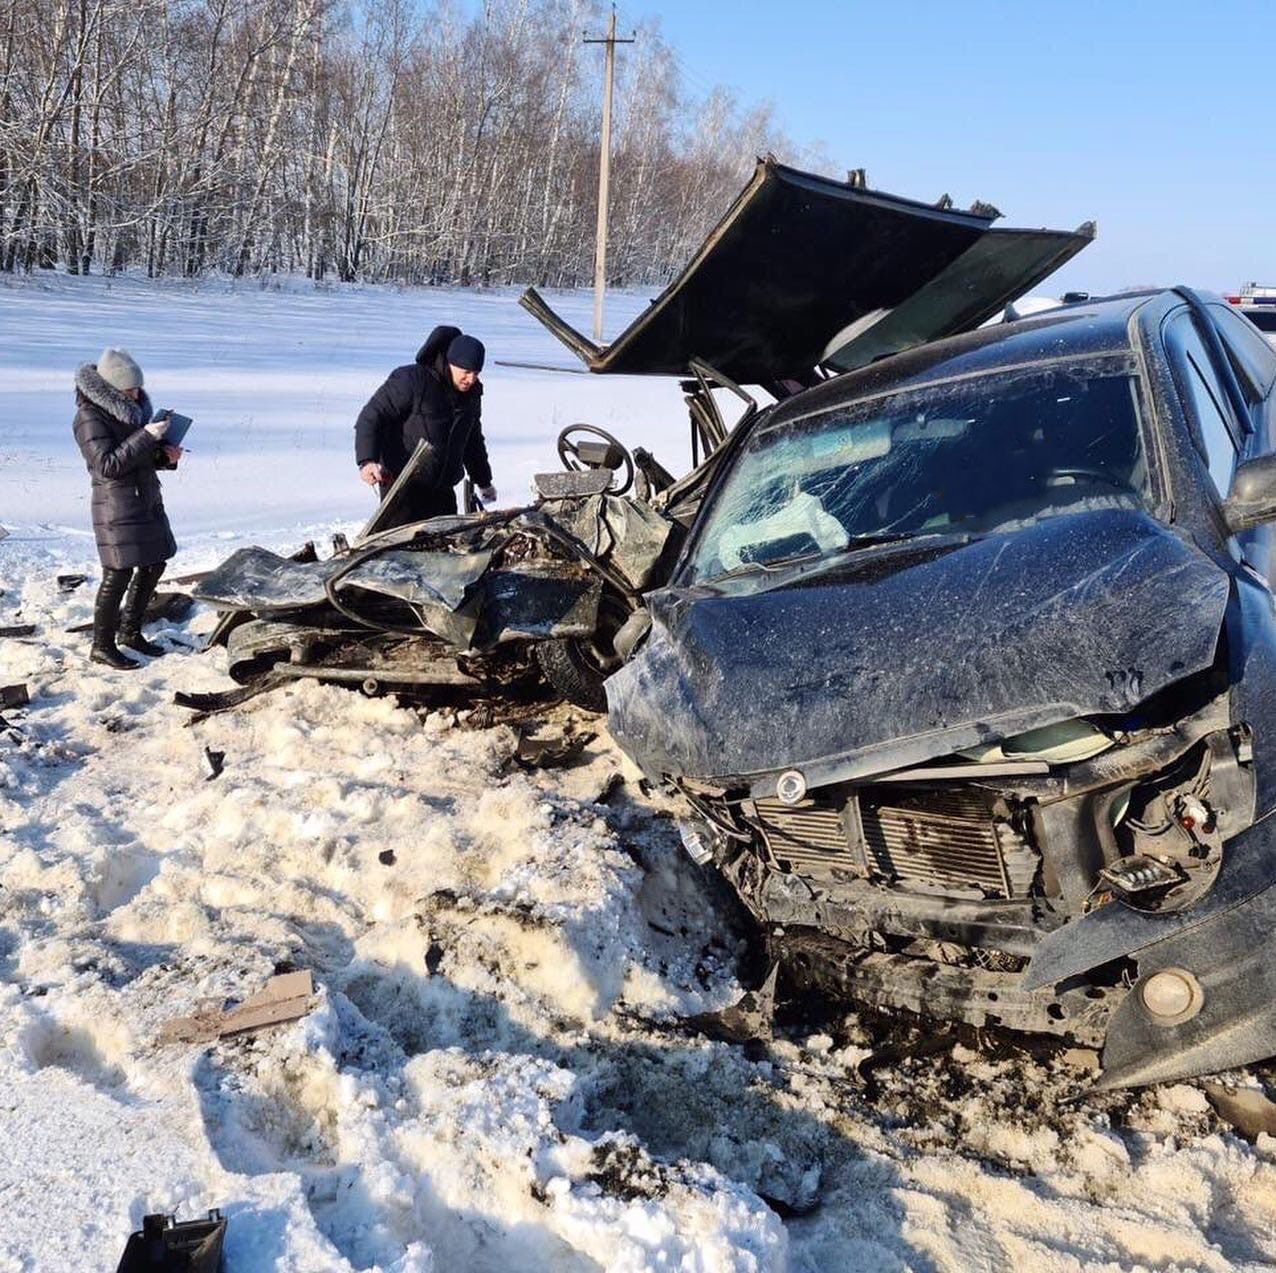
<point>494,1076</point>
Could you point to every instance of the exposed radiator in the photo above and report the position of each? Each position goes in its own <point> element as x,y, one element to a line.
<point>811,838</point>
<point>951,840</point>
<point>945,839</point>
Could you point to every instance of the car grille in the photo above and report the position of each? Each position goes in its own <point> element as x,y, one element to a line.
<point>951,841</point>
<point>811,838</point>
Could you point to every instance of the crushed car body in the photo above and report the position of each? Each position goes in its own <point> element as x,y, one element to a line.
<point>966,677</point>
<point>461,601</point>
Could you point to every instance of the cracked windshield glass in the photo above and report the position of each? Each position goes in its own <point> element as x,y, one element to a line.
<point>993,452</point>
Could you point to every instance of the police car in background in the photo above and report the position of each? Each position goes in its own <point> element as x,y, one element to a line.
<point>1258,304</point>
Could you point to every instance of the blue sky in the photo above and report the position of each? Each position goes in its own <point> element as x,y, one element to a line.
<point>1157,120</point>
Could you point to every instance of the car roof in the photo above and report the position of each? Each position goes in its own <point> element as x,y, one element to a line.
<point>1089,328</point>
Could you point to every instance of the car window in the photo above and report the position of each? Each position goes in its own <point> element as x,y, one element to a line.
<point>991,452</point>
<point>1209,418</point>
<point>1253,357</point>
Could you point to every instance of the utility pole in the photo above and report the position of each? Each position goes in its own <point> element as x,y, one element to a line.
<point>604,171</point>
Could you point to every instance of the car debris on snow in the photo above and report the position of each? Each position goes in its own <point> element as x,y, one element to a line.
<point>285,997</point>
<point>14,695</point>
<point>550,746</point>
<point>1248,1110</point>
<point>165,1244</point>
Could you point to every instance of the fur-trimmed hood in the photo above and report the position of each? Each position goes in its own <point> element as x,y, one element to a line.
<point>116,404</point>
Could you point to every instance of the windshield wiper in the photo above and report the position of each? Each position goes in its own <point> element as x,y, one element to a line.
<point>822,558</point>
<point>887,537</point>
<point>766,567</point>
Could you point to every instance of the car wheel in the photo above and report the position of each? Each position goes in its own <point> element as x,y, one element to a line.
<point>571,667</point>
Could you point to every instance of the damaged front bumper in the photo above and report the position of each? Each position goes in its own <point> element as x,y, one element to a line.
<point>1123,900</point>
<point>1221,952</point>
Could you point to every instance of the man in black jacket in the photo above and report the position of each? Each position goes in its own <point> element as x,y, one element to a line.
<point>437,400</point>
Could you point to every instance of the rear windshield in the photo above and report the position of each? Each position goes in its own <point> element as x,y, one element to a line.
<point>993,452</point>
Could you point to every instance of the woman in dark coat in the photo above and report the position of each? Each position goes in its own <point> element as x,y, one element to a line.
<point>122,448</point>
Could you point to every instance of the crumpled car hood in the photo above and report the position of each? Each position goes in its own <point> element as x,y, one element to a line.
<point>871,668</point>
<point>802,267</point>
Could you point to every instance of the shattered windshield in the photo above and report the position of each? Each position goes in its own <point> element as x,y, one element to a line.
<point>982,453</point>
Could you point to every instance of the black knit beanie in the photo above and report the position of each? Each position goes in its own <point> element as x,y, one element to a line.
<point>467,353</point>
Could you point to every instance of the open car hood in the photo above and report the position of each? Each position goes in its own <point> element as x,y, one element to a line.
<point>804,270</point>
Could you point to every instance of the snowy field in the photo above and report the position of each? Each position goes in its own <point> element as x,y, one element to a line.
<point>498,1073</point>
<point>274,377</point>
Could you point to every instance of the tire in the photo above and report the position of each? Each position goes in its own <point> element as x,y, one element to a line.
<point>573,672</point>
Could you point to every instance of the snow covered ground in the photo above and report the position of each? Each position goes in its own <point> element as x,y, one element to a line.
<point>497,1073</point>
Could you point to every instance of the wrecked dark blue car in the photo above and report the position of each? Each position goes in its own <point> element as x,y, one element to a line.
<point>967,676</point>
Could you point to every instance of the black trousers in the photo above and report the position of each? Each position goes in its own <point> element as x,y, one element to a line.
<point>414,504</point>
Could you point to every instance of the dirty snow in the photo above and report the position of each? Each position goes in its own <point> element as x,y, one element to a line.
<point>497,1073</point>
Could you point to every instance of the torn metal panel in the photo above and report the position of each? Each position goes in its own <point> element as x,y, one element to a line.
<point>629,536</point>
<point>258,580</point>
<point>395,496</point>
<point>853,673</point>
<point>796,260</point>
<point>420,578</point>
<point>536,601</point>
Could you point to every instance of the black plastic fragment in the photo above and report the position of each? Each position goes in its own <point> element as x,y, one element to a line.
<point>169,605</point>
<point>166,1245</point>
<point>224,700</point>
<point>214,763</point>
<point>69,583</point>
<point>14,695</point>
<point>18,630</point>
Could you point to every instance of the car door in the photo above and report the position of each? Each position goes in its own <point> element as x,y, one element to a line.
<point>1226,430</point>
<point>1221,438</point>
<point>1254,365</point>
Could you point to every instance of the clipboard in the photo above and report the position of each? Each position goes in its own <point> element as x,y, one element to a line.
<point>178,427</point>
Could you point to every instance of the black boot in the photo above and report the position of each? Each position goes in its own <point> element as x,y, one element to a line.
<point>106,617</point>
<point>140,592</point>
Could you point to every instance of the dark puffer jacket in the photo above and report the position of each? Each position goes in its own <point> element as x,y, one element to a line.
<point>418,403</point>
<point>129,521</point>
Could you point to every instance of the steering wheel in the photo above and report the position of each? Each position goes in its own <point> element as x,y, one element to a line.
<point>1093,474</point>
<point>569,452</point>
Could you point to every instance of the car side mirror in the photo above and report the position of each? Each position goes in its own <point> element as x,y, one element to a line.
<point>1252,499</point>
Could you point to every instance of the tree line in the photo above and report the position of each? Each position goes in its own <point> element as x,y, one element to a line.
<point>384,141</point>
